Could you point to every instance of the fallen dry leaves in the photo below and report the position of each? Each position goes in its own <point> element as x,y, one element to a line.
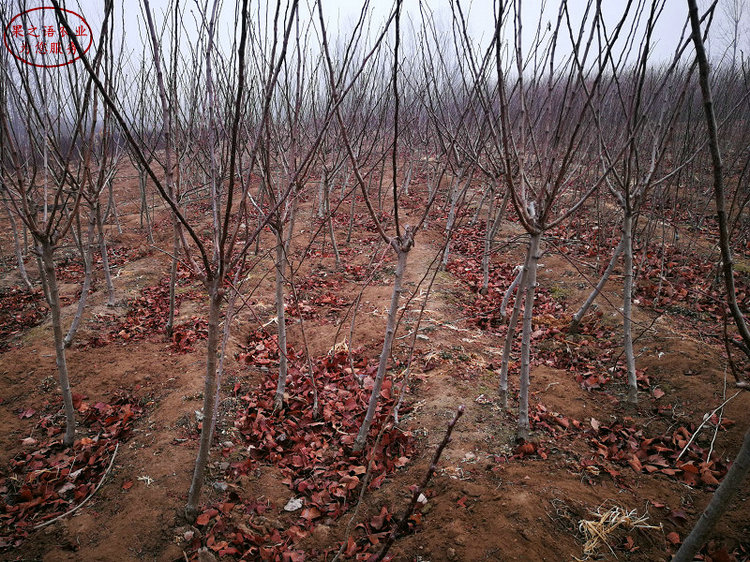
<point>312,453</point>
<point>48,479</point>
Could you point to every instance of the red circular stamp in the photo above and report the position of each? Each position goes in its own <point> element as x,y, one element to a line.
<point>36,38</point>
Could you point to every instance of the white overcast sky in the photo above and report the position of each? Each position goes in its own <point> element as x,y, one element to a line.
<point>341,14</point>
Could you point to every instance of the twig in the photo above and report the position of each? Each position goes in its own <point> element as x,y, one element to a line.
<point>80,505</point>
<point>718,422</point>
<point>705,420</point>
<point>402,525</point>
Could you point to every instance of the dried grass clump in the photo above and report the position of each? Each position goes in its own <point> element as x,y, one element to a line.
<point>599,532</point>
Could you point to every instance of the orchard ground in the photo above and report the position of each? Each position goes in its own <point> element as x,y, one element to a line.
<point>491,497</point>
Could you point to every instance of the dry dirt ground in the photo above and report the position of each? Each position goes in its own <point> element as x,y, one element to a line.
<point>490,499</point>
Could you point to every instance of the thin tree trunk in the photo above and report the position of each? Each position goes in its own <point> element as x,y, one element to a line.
<point>520,280</point>
<point>331,232</point>
<point>105,258</point>
<point>261,195</point>
<point>486,250</point>
<point>144,206</point>
<point>278,402</point>
<point>351,219</point>
<point>173,276</point>
<point>627,308</point>
<point>25,239</point>
<point>452,214</point>
<point>17,248</point>
<point>112,207</point>
<point>489,237</point>
<point>724,245</point>
<point>322,188</point>
<point>528,315</point>
<point>87,254</point>
<point>226,333</point>
<point>509,291</point>
<point>718,504</point>
<point>380,187</point>
<point>210,399</point>
<point>578,316</point>
<point>402,248</point>
<point>478,212</point>
<point>53,299</point>
<point>407,180</point>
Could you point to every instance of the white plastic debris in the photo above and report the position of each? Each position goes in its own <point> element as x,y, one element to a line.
<point>293,504</point>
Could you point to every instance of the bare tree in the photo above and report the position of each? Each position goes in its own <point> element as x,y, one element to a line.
<point>545,119</point>
<point>739,469</point>
<point>44,146</point>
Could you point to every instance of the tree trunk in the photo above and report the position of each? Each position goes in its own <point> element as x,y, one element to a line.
<point>627,307</point>
<point>578,316</point>
<point>407,179</point>
<point>509,291</point>
<point>53,299</point>
<point>402,247</point>
<point>380,186</point>
<point>528,314</point>
<point>105,258</point>
<point>521,281</point>
<point>718,178</point>
<point>718,504</point>
<point>278,401</point>
<point>87,254</point>
<point>454,193</point>
<point>17,248</point>
<point>112,207</point>
<point>489,237</point>
<point>487,247</point>
<point>173,275</point>
<point>331,232</point>
<point>322,190</point>
<point>351,219</point>
<point>144,203</point>
<point>478,212</point>
<point>210,399</point>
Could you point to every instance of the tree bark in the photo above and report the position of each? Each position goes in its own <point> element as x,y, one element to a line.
<point>487,247</point>
<point>708,107</point>
<point>521,281</point>
<point>210,399</point>
<point>489,236</point>
<point>578,316</point>
<point>509,291</point>
<point>329,219</point>
<point>87,254</point>
<point>627,308</point>
<point>402,247</point>
<point>278,402</point>
<point>528,315</point>
<point>173,276</point>
<point>718,504</point>
<point>53,299</point>
<point>17,249</point>
<point>105,258</point>
<point>112,207</point>
<point>454,195</point>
